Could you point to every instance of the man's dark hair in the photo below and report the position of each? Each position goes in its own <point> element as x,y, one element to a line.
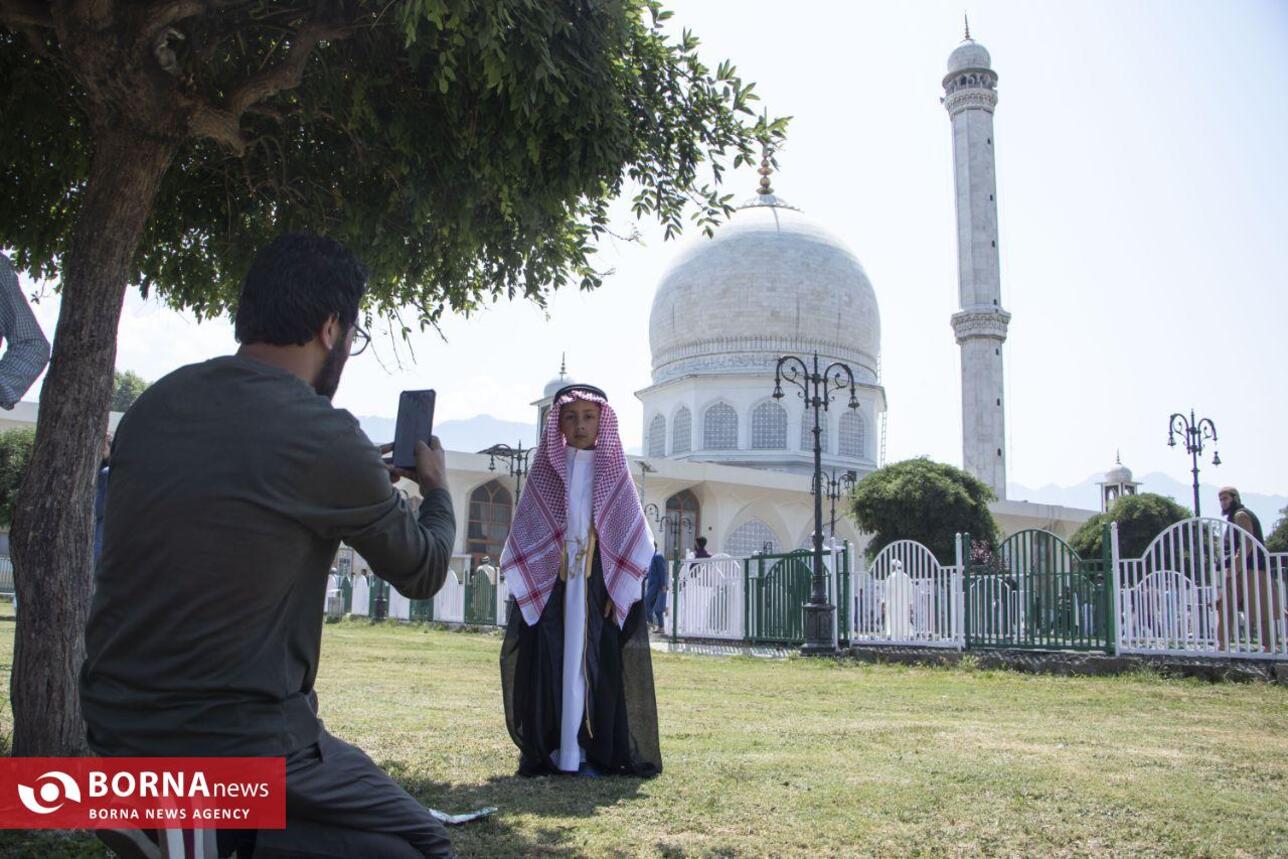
<point>294,284</point>
<point>702,542</point>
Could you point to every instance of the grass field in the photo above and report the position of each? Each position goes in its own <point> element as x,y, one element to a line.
<point>819,758</point>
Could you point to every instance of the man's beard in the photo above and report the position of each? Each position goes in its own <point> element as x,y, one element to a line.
<point>328,379</point>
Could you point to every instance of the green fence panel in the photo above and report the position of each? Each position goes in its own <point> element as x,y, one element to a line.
<point>480,600</point>
<point>777,597</point>
<point>422,611</point>
<point>1038,594</point>
<point>346,590</point>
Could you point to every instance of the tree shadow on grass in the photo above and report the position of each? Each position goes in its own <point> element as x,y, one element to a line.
<point>510,831</point>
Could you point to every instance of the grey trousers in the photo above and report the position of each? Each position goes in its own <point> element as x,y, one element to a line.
<point>340,804</point>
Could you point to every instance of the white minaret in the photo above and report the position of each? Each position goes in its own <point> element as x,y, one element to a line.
<point>970,94</point>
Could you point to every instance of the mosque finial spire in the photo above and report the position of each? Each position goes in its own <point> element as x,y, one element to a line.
<point>563,366</point>
<point>765,170</point>
<point>967,20</point>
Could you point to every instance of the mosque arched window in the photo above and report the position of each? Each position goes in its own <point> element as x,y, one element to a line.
<point>807,431</point>
<point>657,437</point>
<point>682,431</point>
<point>769,426</point>
<point>751,536</point>
<point>489,523</point>
<point>720,428</point>
<point>852,438</point>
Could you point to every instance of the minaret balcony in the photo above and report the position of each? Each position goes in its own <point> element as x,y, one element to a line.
<point>984,322</point>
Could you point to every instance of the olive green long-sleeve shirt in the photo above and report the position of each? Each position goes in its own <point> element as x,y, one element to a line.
<point>232,485</point>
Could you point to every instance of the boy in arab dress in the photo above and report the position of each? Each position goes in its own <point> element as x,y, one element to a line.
<point>576,673</point>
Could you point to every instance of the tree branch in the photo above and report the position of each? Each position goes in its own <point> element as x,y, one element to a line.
<point>219,125</point>
<point>168,12</point>
<point>288,73</point>
<point>223,124</point>
<point>17,14</point>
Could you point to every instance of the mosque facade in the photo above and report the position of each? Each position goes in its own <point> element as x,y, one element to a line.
<point>722,458</point>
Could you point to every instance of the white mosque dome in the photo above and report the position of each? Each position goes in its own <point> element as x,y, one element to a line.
<point>1118,474</point>
<point>969,55</point>
<point>552,387</point>
<point>770,282</point>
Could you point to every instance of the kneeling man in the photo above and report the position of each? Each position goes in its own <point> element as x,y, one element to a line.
<point>233,482</point>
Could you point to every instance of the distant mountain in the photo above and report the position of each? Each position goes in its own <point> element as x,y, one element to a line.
<point>1086,495</point>
<point>468,435</point>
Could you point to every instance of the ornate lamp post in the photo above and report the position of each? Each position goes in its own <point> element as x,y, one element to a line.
<point>516,461</point>
<point>836,484</point>
<point>816,389</point>
<point>1193,433</point>
<point>675,524</point>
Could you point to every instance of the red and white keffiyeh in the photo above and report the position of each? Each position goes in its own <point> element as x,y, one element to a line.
<point>534,549</point>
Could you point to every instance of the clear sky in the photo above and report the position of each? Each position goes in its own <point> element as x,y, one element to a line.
<point>1143,204</point>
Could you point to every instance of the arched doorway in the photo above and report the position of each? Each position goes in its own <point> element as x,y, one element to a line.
<point>491,506</point>
<point>682,508</point>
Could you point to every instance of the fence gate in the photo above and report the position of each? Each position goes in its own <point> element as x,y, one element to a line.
<point>778,587</point>
<point>907,597</point>
<point>1038,593</point>
<point>480,599</point>
<point>1205,587</point>
<point>709,599</point>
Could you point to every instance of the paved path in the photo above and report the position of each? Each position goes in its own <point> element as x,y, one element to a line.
<point>731,649</point>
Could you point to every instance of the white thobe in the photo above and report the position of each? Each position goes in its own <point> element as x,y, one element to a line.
<point>581,473</point>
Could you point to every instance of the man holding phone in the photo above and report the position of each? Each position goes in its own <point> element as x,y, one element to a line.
<point>233,482</point>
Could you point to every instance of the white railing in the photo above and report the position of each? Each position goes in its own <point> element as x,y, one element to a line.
<point>710,599</point>
<point>907,597</point>
<point>449,602</point>
<point>360,604</point>
<point>399,605</point>
<point>1204,587</point>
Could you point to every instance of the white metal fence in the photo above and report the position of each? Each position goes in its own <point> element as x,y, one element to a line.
<point>1204,587</point>
<point>907,597</point>
<point>710,599</point>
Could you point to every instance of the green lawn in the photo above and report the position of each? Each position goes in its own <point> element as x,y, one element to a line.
<point>816,758</point>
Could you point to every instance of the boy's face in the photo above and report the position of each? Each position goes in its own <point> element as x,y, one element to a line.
<point>579,423</point>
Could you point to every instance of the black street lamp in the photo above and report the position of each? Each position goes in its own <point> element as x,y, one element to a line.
<point>837,483</point>
<point>516,461</point>
<point>816,389</point>
<point>676,523</point>
<point>1193,433</point>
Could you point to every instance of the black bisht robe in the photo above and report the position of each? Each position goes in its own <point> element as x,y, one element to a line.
<point>620,700</point>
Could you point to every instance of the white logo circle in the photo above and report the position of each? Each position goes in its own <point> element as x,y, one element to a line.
<point>57,787</point>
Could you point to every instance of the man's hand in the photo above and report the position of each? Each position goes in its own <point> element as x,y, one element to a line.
<point>431,466</point>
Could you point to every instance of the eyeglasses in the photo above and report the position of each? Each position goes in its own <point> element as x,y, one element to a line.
<point>361,339</point>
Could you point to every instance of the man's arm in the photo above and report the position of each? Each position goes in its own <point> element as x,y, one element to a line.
<point>28,351</point>
<point>357,504</point>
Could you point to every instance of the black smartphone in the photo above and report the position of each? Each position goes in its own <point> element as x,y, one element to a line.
<point>415,423</point>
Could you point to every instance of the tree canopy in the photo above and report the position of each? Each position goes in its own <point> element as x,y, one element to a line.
<point>926,501</point>
<point>15,451</point>
<point>1140,519</point>
<point>126,388</point>
<point>465,150</point>
<point>1277,539</point>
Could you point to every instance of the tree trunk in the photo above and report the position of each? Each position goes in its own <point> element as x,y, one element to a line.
<point>53,517</point>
